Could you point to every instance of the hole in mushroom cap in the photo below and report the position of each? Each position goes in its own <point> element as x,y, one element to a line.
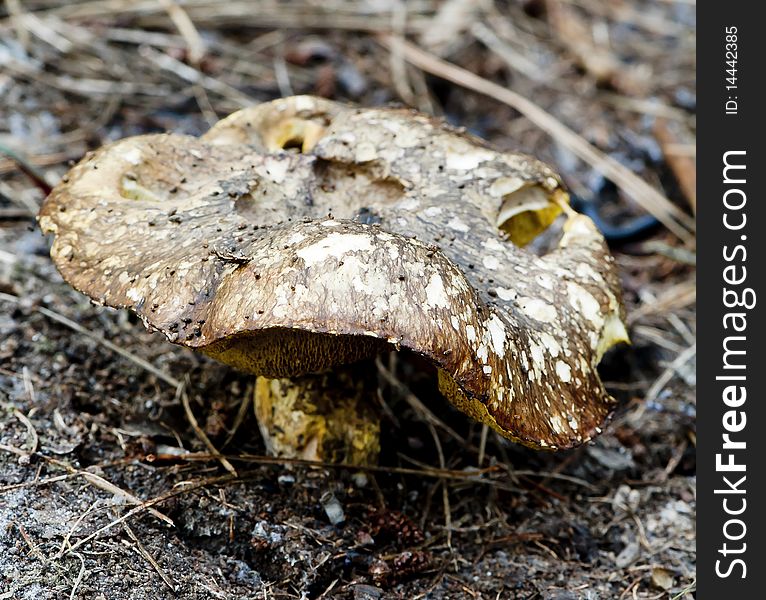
<point>246,206</point>
<point>293,133</point>
<point>349,190</point>
<point>526,212</point>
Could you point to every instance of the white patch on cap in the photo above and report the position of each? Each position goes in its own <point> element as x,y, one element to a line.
<point>457,225</point>
<point>505,293</point>
<point>573,423</point>
<point>303,103</point>
<point>295,238</point>
<point>505,185</point>
<point>435,293</point>
<point>365,152</point>
<point>482,353</point>
<point>496,329</point>
<point>585,303</point>
<point>537,354</point>
<point>544,281</point>
<point>335,244</point>
<point>490,262</point>
<point>585,271</point>
<point>553,347</point>
<point>563,371</point>
<point>133,156</point>
<point>493,244</point>
<point>409,204</point>
<point>276,169</point>
<point>537,309</point>
<point>468,159</point>
<point>556,424</point>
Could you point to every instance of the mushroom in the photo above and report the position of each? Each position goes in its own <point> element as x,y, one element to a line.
<point>302,235</point>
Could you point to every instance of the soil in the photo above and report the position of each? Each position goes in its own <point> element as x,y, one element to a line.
<point>106,490</point>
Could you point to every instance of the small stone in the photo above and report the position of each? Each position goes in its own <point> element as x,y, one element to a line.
<point>286,479</point>
<point>662,578</point>
<point>629,554</point>
<point>332,508</point>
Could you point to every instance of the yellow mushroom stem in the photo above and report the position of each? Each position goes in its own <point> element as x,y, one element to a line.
<point>326,417</point>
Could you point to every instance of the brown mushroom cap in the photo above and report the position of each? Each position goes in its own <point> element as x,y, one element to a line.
<point>388,230</point>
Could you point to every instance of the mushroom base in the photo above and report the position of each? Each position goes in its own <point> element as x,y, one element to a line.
<point>325,417</point>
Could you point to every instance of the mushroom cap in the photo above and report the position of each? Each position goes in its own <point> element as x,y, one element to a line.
<point>387,230</point>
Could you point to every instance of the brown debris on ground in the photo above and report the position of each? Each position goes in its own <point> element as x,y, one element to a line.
<point>106,487</point>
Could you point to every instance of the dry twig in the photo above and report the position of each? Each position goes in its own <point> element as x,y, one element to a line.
<point>417,405</point>
<point>184,397</point>
<point>141,551</point>
<point>668,373</point>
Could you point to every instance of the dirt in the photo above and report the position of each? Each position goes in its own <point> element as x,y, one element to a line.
<point>87,434</point>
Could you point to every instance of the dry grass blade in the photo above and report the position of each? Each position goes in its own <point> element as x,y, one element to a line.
<point>397,63</point>
<point>194,76</point>
<point>34,482</point>
<point>107,486</point>
<point>83,86</point>
<point>34,550</point>
<point>681,224</point>
<point>184,397</point>
<point>33,440</point>
<point>14,450</point>
<point>30,170</point>
<point>46,33</point>
<point>147,505</point>
<point>668,373</point>
<point>646,106</point>
<point>113,347</point>
<point>78,580</point>
<point>292,14</point>
<point>141,551</point>
<point>186,28</point>
<point>17,17</point>
<point>445,488</point>
<point>483,445</point>
<point>99,482</point>
<point>244,404</point>
<point>515,60</point>
<point>417,405</point>
<point>574,33</point>
<point>424,471</point>
<point>672,299</point>
<point>684,167</point>
<point>8,165</point>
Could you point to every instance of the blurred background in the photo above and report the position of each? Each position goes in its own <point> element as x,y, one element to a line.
<point>602,90</point>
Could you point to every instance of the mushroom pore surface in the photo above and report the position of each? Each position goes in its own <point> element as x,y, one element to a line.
<point>302,234</point>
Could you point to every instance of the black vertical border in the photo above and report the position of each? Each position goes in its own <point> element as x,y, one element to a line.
<point>717,133</point>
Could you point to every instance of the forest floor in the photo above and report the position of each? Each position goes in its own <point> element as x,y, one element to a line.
<point>106,490</point>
